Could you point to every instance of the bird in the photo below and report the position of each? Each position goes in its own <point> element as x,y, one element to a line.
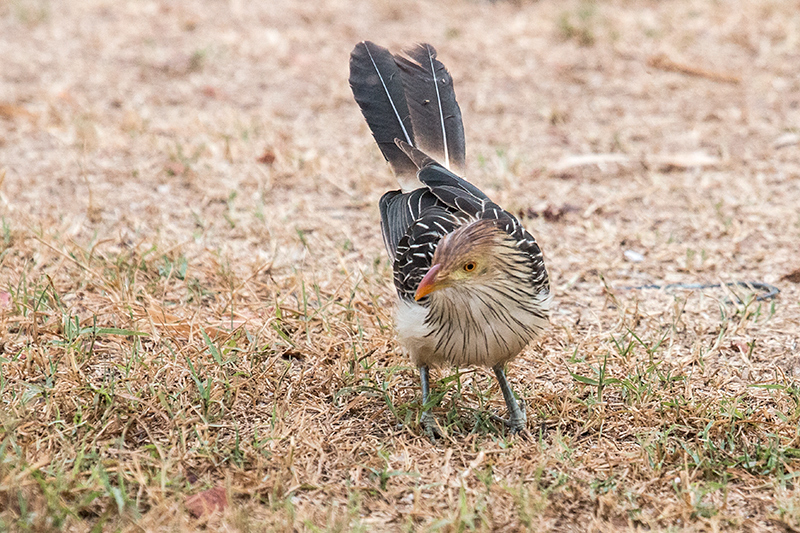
<point>471,282</point>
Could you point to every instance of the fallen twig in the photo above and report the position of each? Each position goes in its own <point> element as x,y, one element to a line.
<point>662,62</point>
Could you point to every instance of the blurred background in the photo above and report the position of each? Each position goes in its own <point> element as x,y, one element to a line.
<point>194,179</point>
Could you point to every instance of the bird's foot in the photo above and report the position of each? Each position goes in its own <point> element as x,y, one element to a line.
<point>517,419</point>
<point>430,425</point>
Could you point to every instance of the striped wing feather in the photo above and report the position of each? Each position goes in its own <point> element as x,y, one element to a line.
<point>415,250</point>
<point>399,211</point>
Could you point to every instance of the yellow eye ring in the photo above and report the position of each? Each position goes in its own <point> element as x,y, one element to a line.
<point>469,267</point>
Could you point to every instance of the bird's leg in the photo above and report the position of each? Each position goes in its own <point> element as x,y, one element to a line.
<point>516,412</point>
<point>426,418</point>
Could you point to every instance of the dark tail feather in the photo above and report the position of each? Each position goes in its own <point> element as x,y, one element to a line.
<point>378,88</point>
<point>438,128</point>
<point>418,157</point>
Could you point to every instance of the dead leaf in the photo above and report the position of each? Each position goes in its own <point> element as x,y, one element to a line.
<point>210,91</point>
<point>267,158</point>
<point>793,276</point>
<point>207,502</point>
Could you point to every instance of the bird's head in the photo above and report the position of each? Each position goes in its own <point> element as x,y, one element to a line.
<point>473,254</point>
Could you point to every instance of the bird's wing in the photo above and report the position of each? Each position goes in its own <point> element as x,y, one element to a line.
<point>415,249</point>
<point>432,102</point>
<point>399,211</point>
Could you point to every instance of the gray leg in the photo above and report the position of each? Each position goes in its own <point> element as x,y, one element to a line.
<point>516,413</point>
<point>426,418</point>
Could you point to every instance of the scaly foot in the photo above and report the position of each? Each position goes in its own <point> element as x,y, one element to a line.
<point>430,425</point>
<point>516,421</point>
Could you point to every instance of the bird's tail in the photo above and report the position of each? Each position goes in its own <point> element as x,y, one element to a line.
<point>408,97</point>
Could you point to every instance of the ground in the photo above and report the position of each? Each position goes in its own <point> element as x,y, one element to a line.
<point>196,307</point>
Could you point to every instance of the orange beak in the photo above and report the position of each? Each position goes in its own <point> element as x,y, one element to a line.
<point>428,283</point>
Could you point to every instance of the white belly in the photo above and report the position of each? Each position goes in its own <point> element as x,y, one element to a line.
<point>414,335</point>
<point>473,335</point>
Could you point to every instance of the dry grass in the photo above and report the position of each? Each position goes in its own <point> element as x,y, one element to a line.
<point>194,293</point>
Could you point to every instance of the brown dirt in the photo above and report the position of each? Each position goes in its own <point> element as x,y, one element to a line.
<point>198,172</point>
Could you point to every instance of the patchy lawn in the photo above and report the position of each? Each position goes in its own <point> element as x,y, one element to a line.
<point>196,307</point>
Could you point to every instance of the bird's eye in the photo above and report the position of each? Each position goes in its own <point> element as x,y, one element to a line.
<point>469,267</point>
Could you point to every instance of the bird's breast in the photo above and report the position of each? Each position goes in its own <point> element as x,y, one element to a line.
<point>475,327</point>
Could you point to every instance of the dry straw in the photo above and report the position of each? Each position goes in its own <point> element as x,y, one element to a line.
<point>195,307</point>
